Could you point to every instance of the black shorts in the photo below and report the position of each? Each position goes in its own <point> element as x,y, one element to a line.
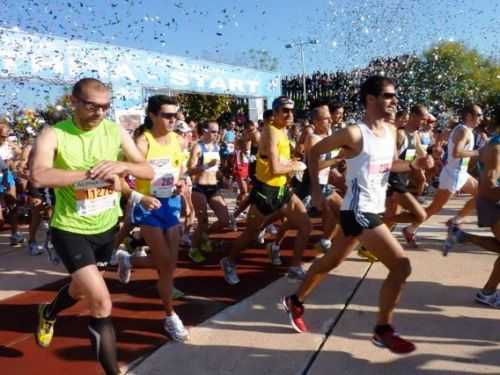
<point>209,191</point>
<point>269,199</point>
<point>396,184</point>
<point>488,212</point>
<point>79,250</point>
<point>252,167</point>
<point>353,223</point>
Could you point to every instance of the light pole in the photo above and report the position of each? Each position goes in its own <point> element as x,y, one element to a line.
<point>301,44</point>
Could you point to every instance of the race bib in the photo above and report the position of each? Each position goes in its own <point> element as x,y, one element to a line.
<point>323,175</point>
<point>208,157</point>
<point>94,197</point>
<point>230,148</point>
<point>410,155</point>
<point>163,183</point>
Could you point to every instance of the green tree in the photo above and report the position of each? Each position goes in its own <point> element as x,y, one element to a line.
<point>203,107</point>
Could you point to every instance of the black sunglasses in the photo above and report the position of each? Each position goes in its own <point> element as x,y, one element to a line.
<point>91,106</point>
<point>389,95</point>
<point>167,115</point>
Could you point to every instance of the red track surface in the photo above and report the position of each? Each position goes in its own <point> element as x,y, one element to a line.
<point>137,313</point>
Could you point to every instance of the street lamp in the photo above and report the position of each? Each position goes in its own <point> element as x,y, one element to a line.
<point>301,44</point>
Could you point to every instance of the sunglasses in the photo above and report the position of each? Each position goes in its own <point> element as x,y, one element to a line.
<point>389,95</point>
<point>167,115</point>
<point>94,107</point>
<point>480,114</point>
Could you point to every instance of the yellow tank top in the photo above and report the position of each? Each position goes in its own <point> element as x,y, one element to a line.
<point>263,170</point>
<point>166,161</point>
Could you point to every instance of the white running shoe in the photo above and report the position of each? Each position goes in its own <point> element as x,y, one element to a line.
<point>492,299</point>
<point>229,270</point>
<point>175,328</point>
<point>261,238</point>
<point>296,273</point>
<point>124,269</point>
<point>274,253</point>
<point>272,229</point>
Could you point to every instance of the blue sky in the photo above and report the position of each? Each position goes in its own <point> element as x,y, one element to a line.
<point>350,32</point>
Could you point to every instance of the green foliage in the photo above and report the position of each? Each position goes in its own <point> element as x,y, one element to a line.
<point>454,74</point>
<point>204,107</point>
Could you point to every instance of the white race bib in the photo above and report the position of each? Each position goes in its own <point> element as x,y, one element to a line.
<point>94,197</point>
<point>208,157</point>
<point>163,183</point>
<point>230,148</point>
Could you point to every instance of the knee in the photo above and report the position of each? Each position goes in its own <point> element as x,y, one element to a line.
<point>402,270</point>
<point>421,216</point>
<point>100,306</point>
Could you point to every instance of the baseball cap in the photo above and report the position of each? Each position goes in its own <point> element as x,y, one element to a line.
<point>282,101</point>
<point>182,126</point>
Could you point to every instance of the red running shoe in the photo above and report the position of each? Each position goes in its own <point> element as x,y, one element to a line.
<point>295,314</point>
<point>391,340</point>
<point>411,238</point>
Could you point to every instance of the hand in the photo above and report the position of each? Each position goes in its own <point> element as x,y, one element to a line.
<point>212,163</point>
<point>424,162</point>
<point>105,170</point>
<point>298,166</point>
<point>150,203</point>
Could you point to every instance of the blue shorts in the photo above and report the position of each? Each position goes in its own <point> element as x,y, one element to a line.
<point>7,180</point>
<point>165,217</point>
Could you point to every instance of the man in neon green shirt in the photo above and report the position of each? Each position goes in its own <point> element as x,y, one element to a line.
<point>79,158</point>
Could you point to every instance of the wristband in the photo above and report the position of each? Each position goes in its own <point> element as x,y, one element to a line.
<point>136,197</point>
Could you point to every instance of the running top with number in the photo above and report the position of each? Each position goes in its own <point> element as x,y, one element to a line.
<point>324,173</point>
<point>367,173</point>
<point>229,139</point>
<point>208,155</point>
<point>410,152</point>
<point>263,169</point>
<point>88,206</point>
<point>166,161</point>
<point>458,164</point>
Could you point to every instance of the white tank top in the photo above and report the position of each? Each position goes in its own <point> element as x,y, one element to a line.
<point>324,173</point>
<point>368,172</point>
<point>6,152</point>
<point>458,164</point>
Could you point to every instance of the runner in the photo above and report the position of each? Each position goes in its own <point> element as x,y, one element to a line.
<point>270,195</point>
<point>369,149</point>
<point>204,165</point>
<point>454,176</point>
<point>488,215</point>
<point>79,158</point>
<point>157,205</point>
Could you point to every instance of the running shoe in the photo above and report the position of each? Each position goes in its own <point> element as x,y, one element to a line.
<point>113,261</point>
<point>124,269</point>
<point>274,253</point>
<point>410,238</point>
<point>272,229</point>
<point>176,293</point>
<point>45,330</point>
<point>233,225</point>
<point>261,238</point>
<point>367,254</point>
<point>51,253</point>
<point>175,329</point>
<point>196,255</point>
<point>295,314</point>
<point>492,299</point>
<point>455,235</point>
<point>391,340</point>
<point>205,245</point>
<point>323,245</point>
<point>296,273</point>
<point>17,239</point>
<point>140,252</point>
<point>229,269</point>
<point>34,249</point>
